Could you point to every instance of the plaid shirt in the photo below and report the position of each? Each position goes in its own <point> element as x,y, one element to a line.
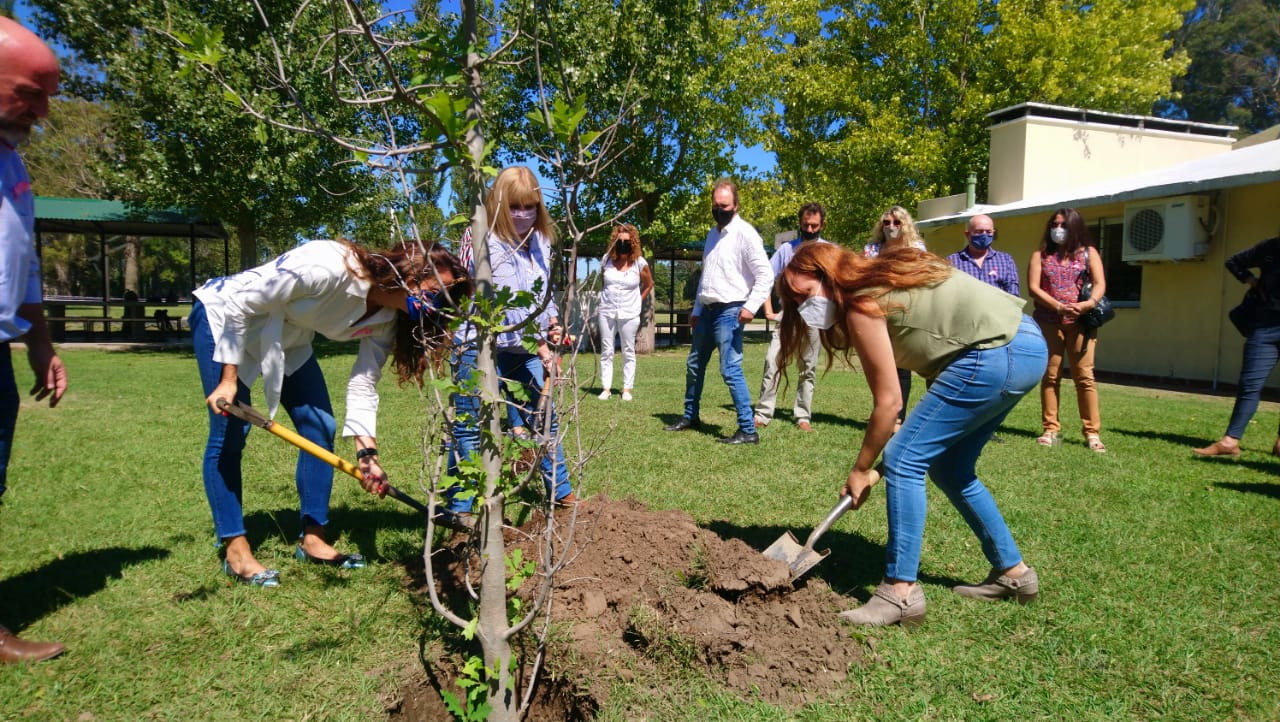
<point>997,269</point>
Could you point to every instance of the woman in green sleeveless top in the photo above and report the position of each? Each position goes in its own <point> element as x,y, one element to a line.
<point>913,310</point>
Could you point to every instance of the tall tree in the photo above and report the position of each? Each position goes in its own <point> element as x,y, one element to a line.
<point>886,103</point>
<point>681,74</point>
<point>179,142</point>
<point>1234,75</point>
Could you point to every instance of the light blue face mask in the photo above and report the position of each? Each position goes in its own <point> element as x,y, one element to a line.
<point>819,312</point>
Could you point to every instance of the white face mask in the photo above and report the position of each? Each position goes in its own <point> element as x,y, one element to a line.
<point>892,232</point>
<point>1057,235</point>
<point>819,312</point>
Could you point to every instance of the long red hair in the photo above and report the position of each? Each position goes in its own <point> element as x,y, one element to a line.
<point>854,283</point>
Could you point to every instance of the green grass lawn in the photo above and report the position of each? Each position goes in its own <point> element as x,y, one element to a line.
<point>1160,573</point>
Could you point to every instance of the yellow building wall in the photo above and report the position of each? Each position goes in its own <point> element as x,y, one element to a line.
<point>1180,329</point>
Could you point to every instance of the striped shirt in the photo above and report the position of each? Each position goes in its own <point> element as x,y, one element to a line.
<point>997,269</point>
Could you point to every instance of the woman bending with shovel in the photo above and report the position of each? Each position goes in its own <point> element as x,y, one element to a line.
<point>913,310</point>
<point>260,322</point>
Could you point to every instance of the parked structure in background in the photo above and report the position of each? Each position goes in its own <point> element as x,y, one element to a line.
<point>1167,201</point>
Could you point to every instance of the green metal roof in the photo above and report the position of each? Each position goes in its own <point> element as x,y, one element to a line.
<point>94,216</point>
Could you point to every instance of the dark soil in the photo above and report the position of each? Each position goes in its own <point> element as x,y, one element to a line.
<point>645,590</point>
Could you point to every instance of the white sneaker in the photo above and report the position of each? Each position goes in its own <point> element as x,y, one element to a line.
<point>604,395</point>
<point>626,395</point>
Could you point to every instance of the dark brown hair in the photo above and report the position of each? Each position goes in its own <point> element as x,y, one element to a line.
<point>423,342</point>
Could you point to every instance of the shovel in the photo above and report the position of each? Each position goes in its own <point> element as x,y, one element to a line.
<point>801,559</point>
<point>247,413</point>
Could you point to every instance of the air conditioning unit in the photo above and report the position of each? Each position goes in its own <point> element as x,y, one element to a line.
<point>1170,229</point>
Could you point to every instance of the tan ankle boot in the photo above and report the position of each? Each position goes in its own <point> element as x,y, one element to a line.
<point>885,607</point>
<point>1025,588</point>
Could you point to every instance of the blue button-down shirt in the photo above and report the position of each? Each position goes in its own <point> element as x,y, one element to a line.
<point>997,269</point>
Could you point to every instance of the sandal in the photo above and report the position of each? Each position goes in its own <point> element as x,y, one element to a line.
<point>1049,438</point>
<point>1095,444</point>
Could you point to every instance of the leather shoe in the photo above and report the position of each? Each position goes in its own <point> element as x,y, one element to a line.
<point>14,650</point>
<point>684,423</point>
<point>1217,449</point>
<point>740,437</point>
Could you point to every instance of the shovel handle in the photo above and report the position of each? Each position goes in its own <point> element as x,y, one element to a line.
<point>249,414</point>
<point>837,511</point>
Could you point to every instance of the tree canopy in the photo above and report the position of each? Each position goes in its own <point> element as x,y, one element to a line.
<point>886,103</point>
<point>1234,75</point>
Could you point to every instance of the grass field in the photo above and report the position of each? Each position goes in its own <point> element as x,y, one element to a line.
<point>1160,573</point>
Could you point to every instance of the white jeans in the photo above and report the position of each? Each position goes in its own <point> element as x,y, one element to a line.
<point>626,328</point>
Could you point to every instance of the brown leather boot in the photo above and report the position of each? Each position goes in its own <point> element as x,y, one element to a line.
<point>14,650</point>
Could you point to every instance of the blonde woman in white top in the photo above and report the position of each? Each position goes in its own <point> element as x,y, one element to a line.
<point>261,322</point>
<point>627,281</point>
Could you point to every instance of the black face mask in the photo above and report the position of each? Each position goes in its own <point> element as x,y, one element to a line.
<point>722,216</point>
<point>809,235</point>
<point>625,249</point>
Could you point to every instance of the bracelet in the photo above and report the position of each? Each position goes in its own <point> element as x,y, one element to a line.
<point>366,452</point>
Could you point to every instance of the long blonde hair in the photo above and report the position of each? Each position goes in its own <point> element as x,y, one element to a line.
<point>516,185</point>
<point>909,238</point>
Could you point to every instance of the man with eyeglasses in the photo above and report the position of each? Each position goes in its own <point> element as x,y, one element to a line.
<point>813,218</point>
<point>736,278</point>
<point>980,260</point>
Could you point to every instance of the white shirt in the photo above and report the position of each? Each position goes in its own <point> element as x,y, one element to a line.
<point>263,320</point>
<point>734,267</point>
<point>620,296</point>
<point>19,265</point>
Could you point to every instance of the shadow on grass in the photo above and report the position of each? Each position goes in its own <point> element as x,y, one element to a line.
<point>359,526</point>
<point>1268,489</point>
<point>38,592</point>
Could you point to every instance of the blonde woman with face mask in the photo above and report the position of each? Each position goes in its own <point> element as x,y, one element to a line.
<point>895,230</point>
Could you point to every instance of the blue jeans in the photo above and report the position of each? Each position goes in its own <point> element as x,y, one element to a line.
<point>1261,353</point>
<point>514,368</point>
<point>718,328</point>
<point>304,397</point>
<point>9,401</point>
<point>943,435</point>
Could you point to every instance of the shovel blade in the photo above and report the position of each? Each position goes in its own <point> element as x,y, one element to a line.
<point>798,559</point>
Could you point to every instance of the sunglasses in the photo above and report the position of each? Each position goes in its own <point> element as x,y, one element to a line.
<point>895,222</point>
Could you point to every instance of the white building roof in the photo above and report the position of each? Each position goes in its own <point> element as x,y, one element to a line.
<point>1251,165</point>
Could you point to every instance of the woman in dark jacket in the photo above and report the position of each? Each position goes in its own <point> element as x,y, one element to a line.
<point>1261,346</point>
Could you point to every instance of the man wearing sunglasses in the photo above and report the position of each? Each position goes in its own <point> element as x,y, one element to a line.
<point>980,260</point>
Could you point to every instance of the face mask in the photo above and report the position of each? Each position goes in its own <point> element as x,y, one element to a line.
<point>722,216</point>
<point>819,312</point>
<point>982,241</point>
<point>422,304</point>
<point>523,219</point>
<point>809,235</point>
<point>625,249</point>
<point>892,232</point>
<point>1057,235</point>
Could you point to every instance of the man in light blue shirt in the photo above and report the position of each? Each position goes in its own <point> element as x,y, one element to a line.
<point>813,218</point>
<point>28,76</point>
<point>736,278</point>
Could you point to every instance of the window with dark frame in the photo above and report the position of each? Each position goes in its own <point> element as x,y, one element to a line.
<point>1124,280</point>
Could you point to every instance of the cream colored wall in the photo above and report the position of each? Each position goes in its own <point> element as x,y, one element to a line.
<point>1037,156</point>
<point>1180,330</point>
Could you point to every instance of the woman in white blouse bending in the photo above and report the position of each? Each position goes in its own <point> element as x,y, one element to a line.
<point>260,322</point>
<point>627,281</point>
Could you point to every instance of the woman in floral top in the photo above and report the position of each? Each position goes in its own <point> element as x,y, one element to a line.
<point>1054,277</point>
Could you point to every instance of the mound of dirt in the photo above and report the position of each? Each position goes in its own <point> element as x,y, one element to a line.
<point>646,588</point>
